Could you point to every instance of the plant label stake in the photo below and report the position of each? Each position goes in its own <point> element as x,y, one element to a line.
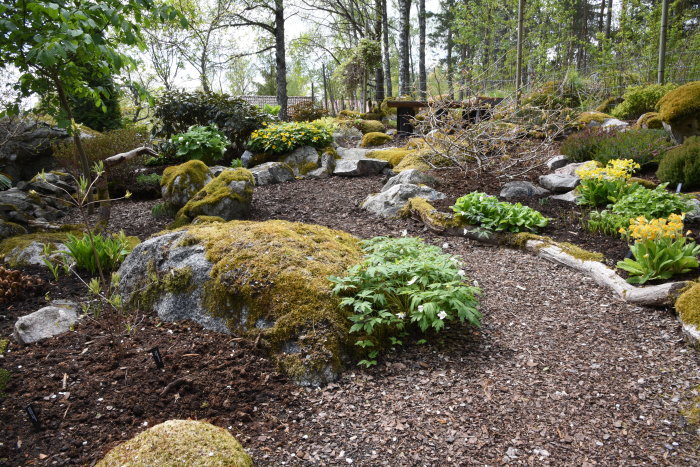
<point>33,417</point>
<point>679,188</point>
<point>157,358</point>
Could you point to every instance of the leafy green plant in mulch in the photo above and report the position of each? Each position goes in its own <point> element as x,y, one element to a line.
<point>204,143</point>
<point>403,283</point>
<point>486,211</point>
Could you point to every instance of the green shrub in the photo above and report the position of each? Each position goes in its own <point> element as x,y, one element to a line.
<point>652,204</point>
<point>682,165</point>
<point>111,251</point>
<point>345,114</point>
<point>176,111</point>
<point>306,111</point>
<point>285,137</point>
<point>486,211</point>
<point>403,283</point>
<point>602,145</point>
<point>148,179</point>
<point>639,100</point>
<point>203,143</point>
<point>273,110</point>
<point>608,104</point>
<point>101,146</point>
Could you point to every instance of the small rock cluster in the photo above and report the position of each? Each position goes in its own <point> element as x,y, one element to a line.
<point>560,184</point>
<point>398,190</point>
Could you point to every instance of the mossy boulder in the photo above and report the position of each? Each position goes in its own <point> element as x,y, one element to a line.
<point>28,249</point>
<point>180,183</point>
<point>679,110</point>
<point>267,279</point>
<point>414,160</point>
<point>688,308</point>
<point>227,196</point>
<point>592,118</point>
<point>369,126</point>
<point>10,229</point>
<point>393,156</point>
<point>374,139</point>
<point>649,120</point>
<point>179,442</point>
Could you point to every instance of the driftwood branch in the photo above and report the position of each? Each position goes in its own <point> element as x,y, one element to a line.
<point>125,156</point>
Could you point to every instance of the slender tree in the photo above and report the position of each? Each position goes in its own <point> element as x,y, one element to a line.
<point>404,47</point>
<point>387,53</point>
<point>422,76</point>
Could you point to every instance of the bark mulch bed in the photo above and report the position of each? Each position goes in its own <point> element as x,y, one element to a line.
<point>561,373</point>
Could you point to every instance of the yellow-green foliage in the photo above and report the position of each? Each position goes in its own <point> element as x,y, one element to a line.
<point>692,413</point>
<point>680,103</point>
<point>22,241</point>
<point>3,345</point>
<point>587,117</point>
<point>650,120</point>
<point>102,145</point>
<point>277,271</point>
<point>369,126</point>
<point>688,306</point>
<point>374,139</point>
<point>179,443</point>
<point>207,219</point>
<point>392,156</point>
<point>216,190</point>
<point>191,173</point>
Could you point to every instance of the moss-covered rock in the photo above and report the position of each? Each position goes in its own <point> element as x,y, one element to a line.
<point>688,308</point>
<point>679,109</point>
<point>178,443</point>
<point>180,183</point>
<point>369,126</point>
<point>345,114</point>
<point>24,250</point>
<point>10,229</point>
<point>608,104</point>
<point>649,120</point>
<point>414,160</point>
<point>392,156</point>
<point>227,196</point>
<point>252,278</point>
<point>374,139</point>
<point>586,118</point>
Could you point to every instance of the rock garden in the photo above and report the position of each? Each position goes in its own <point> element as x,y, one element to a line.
<point>227,288</point>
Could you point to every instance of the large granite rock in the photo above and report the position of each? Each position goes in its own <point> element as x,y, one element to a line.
<point>521,189</point>
<point>259,279</point>
<point>228,196</point>
<point>272,172</point>
<point>328,164</point>
<point>180,183</point>
<point>559,183</point>
<point>23,207</point>
<point>569,169</point>
<point>47,322</point>
<point>359,167</point>
<point>302,160</point>
<point>388,203</point>
<point>412,176</point>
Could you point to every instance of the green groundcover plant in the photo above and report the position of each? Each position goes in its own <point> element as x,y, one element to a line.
<point>204,143</point>
<point>486,211</point>
<point>111,251</point>
<point>653,204</point>
<point>403,283</point>
<point>286,137</point>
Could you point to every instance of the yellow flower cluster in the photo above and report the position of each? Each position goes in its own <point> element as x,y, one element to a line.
<point>641,229</point>
<point>616,169</point>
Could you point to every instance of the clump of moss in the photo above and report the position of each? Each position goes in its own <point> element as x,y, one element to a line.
<point>519,240</point>
<point>176,281</point>
<point>587,117</point>
<point>369,126</point>
<point>688,306</point>
<point>192,176</point>
<point>650,120</point>
<point>348,114</point>
<point>680,103</point>
<point>392,156</point>
<point>216,191</point>
<point>11,229</point>
<point>414,160</point>
<point>639,100</point>
<point>277,272</point>
<point>179,442</point>
<point>3,345</point>
<point>428,212</point>
<point>23,241</point>
<point>329,150</point>
<point>374,139</point>
<point>608,104</point>
<point>207,219</point>
<point>692,413</point>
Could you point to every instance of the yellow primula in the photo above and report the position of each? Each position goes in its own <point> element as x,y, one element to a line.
<point>641,229</point>
<point>616,169</point>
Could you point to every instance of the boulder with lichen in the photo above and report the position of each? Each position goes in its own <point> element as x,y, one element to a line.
<point>180,183</point>
<point>179,442</point>
<point>227,196</point>
<point>266,279</point>
<point>679,110</point>
<point>688,308</point>
<point>374,138</point>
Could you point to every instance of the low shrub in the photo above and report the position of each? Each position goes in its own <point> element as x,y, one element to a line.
<point>101,146</point>
<point>403,283</point>
<point>554,95</point>
<point>638,100</point>
<point>306,111</point>
<point>111,251</point>
<point>583,145</point>
<point>642,146</point>
<point>603,185</point>
<point>682,165</point>
<point>285,137</point>
<point>486,211</point>
<point>608,104</point>
<point>203,143</point>
<point>352,114</point>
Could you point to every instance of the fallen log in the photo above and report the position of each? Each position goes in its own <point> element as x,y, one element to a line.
<point>125,156</point>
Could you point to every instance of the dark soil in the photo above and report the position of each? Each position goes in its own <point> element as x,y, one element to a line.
<point>561,373</point>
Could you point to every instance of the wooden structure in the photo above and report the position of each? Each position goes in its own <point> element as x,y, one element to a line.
<point>473,110</point>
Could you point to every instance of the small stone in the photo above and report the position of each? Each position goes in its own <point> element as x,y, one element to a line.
<point>559,183</point>
<point>557,162</point>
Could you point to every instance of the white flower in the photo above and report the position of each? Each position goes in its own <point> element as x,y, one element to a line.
<point>420,308</point>
<point>401,315</point>
<point>461,272</point>
<point>404,233</point>
<point>442,315</point>
<point>445,246</point>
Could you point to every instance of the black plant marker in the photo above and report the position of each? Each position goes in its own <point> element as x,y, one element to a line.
<point>157,358</point>
<point>33,417</point>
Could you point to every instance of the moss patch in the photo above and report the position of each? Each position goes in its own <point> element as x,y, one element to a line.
<point>650,120</point>
<point>176,281</point>
<point>3,345</point>
<point>374,138</point>
<point>587,117</point>
<point>519,240</point>
<point>207,219</point>
<point>179,442</point>
<point>692,413</point>
<point>680,103</point>
<point>23,241</point>
<point>276,272</point>
<point>216,190</point>
<point>11,229</point>
<point>414,160</point>
<point>192,173</point>
<point>392,156</point>
<point>644,182</point>
<point>688,306</point>
<point>428,212</point>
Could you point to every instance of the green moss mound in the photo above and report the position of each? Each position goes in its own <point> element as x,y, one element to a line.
<point>369,126</point>
<point>277,272</point>
<point>414,160</point>
<point>688,306</point>
<point>392,156</point>
<point>650,120</point>
<point>192,173</point>
<point>216,191</point>
<point>682,165</point>
<point>680,103</point>
<point>374,139</point>
<point>639,100</point>
<point>177,443</point>
<point>348,114</point>
<point>587,117</point>
<point>608,104</point>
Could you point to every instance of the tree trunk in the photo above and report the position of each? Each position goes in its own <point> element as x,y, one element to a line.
<point>661,78</point>
<point>280,59</point>
<point>608,20</point>
<point>601,17</point>
<point>450,66</point>
<point>519,59</point>
<point>387,53</point>
<point>378,72</point>
<point>422,74</point>
<point>404,55</point>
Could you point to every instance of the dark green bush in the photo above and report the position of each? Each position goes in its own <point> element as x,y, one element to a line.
<point>682,165</point>
<point>638,100</point>
<point>306,111</point>
<point>97,118</point>
<point>642,146</point>
<point>176,111</point>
